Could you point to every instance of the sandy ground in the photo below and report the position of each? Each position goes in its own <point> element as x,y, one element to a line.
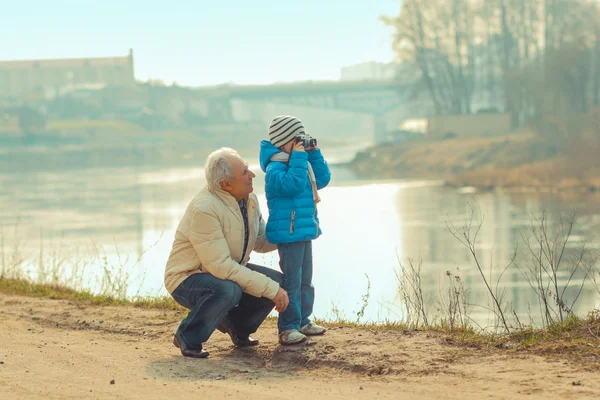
<point>55,349</point>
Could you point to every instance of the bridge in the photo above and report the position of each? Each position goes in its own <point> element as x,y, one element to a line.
<point>381,100</point>
<point>368,97</point>
<point>384,103</point>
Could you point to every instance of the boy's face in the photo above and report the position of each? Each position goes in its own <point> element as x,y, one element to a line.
<point>287,148</point>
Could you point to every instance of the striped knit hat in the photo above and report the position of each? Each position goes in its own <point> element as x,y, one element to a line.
<point>284,128</point>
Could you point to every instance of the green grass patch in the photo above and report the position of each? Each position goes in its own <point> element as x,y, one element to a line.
<point>387,325</point>
<point>26,288</point>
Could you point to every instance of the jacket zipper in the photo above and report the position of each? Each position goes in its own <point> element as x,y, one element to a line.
<point>243,233</point>
<point>292,221</point>
<point>316,224</point>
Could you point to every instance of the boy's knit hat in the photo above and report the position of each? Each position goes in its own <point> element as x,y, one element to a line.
<point>284,128</point>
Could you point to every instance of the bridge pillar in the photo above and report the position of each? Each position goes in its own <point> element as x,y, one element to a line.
<point>380,134</point>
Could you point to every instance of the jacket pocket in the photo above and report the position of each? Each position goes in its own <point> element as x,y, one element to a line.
<point>292,218</point>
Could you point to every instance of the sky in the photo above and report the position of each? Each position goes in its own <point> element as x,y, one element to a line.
<point>202,43</point>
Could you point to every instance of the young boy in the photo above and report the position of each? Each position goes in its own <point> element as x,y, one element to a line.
<point>293,176</point>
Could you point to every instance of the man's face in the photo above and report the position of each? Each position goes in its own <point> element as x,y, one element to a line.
<point>241,186</point>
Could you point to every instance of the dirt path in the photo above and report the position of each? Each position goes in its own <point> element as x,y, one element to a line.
<point>54,349</point>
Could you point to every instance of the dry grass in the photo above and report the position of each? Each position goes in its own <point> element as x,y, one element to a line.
<point>554,175</point>
<point>576,337</point>
<point>441,159</point>
<point>561,157</point>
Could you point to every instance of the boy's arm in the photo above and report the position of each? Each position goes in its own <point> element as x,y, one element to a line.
<point>320,168</point>
<point>290,180</point>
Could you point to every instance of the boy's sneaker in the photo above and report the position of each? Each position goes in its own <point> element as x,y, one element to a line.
<point>311,329</point>
<point>291,336</point>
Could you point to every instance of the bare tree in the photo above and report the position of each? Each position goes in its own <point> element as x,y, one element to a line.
<point>551,258</point>
<point>596,67</point>
<point>533,59</point>
<point>411,290</point>
<point>410,43</point>
<point>438,36</point>
<point>467,236</point>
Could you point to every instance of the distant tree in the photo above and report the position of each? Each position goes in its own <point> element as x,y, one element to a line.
<point>596,67</point>
<point>30,122</point>
<point>441,38</point>
<point>527,57</point>
<point>192,119</point>
<point>69,107</point>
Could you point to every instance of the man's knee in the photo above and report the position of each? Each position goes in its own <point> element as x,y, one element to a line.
<point>268,272</point>
<point>231,291</point>
<point>278,277</point>
<point>275,275</point>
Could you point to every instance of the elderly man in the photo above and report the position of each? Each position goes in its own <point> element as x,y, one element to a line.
<point>208,271</point>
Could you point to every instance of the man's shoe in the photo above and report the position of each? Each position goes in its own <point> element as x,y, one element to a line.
<point>311,329</point>
<point>238,341</point>
<point>244,342</point>
<point>291,336</point>
<point>187,351</point>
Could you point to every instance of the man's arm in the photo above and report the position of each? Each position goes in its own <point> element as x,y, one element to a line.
<point>320,168</point>
<point>262,245</point>
<point>206,235</point>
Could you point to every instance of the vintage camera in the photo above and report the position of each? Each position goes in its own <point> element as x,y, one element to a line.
<point>309,143</point>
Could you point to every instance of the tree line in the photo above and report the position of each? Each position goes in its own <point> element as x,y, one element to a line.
<point>533,59</point>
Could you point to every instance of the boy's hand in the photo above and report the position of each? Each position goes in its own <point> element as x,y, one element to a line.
<point>298,147</point>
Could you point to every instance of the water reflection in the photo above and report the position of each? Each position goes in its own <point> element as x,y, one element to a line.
<point>127,217</point>
<point>428,215</point>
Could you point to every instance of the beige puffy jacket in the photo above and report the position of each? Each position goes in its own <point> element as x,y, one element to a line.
<point>210,238</point>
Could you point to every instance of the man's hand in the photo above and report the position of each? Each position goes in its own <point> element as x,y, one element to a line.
<point>298,146</point>
<point>281,300</point>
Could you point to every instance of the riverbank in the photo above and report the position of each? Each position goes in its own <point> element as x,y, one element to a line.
<point>520,162</point>
<point>75,348</point>
<point>182,149</point>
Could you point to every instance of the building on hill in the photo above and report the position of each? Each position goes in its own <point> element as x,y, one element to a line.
<point>51,77</point>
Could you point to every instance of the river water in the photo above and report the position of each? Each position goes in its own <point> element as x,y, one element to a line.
<point>99,227</point>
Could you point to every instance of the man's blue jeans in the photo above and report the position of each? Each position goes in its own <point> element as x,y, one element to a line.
<point>295,260</point>
<point>212,301</point>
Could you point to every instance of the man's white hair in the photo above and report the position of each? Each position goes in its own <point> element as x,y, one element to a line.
<point>218,166</point>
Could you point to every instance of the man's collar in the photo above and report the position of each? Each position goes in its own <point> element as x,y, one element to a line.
<point>226,197</point>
